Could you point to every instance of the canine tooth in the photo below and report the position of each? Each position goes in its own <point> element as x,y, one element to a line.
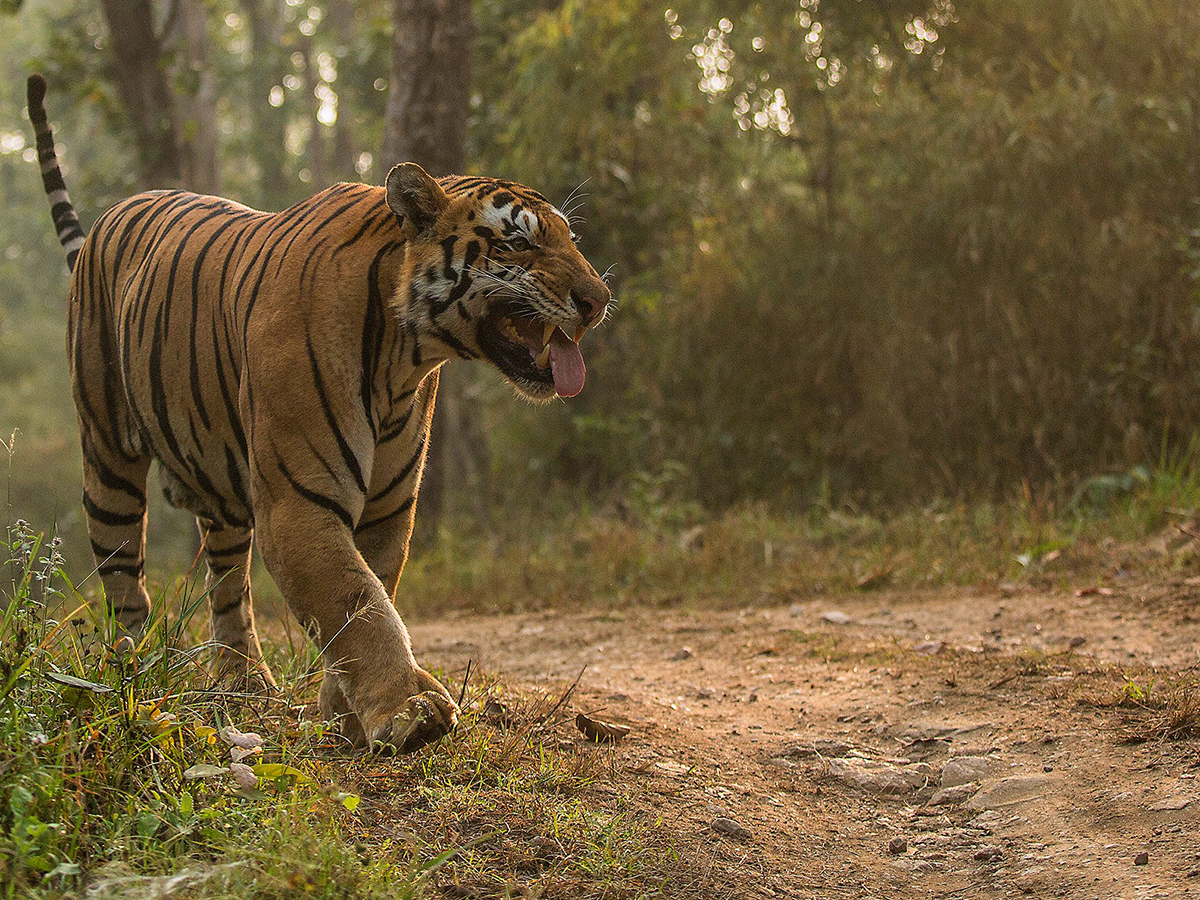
<point>579,332</point>
<point>543,357</point>
<point>547,332</point>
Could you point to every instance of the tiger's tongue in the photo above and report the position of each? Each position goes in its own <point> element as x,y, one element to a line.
<point>566,364</point>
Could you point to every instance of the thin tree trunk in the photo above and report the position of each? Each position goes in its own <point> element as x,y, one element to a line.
<point>426,118</point>
<point>269,122</point>
<point>136,55</point>
<point>426,123</point>
<point>198,104</point>
<point>317,153</point>
<point>339,22</point>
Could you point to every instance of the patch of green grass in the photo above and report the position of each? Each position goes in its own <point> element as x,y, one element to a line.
<point>115,777</point>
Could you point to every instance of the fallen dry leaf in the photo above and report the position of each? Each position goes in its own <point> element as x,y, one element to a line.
<point>247,740</point>
<point>495,713</point>
<point>874,579</point>
<point>600,732</point>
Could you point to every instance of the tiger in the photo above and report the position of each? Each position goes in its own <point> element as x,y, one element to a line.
<point>282,368</point>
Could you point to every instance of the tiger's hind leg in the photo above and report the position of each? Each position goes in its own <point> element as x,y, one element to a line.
<point>227,550</point>
<point>114,500</point>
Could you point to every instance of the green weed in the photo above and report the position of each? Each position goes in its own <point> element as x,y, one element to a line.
<point>117,775</point>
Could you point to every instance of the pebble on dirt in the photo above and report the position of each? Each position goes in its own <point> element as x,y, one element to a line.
<point>953,796</point>
<point>965,769</point>
<point>682,654</point>
<point>988,854</point>
<point>897,846</point>
<point>727,826</point>
<point>1141,859</point>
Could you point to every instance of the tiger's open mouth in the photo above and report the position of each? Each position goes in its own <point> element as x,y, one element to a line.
<point>537,355</point>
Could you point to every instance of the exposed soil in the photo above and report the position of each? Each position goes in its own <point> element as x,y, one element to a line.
<point>825,736</point>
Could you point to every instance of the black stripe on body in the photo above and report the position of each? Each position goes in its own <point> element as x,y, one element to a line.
<point>373,331</point>
<point>352,463</point>
<point>133,570</point>
<point>104,553</point>
<point>401,475</point>
<point>379,520</point>
<point>115,482</point>
<point>233,604</point>
<point>193,343</point>
<point>313,496</point>
<point>394,431</point>
<point>107,517</point>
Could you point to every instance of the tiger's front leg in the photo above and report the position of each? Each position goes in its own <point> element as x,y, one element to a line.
<point>332,591</point>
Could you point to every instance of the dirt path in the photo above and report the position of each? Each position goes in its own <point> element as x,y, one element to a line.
<point>825,728</point>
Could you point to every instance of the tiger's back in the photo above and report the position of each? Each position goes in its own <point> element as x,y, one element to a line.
<point>167,296</point>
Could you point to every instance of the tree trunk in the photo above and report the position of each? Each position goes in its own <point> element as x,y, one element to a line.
<point>144,91</point>
<point>198,102</point>
<point>426,123</point>
<point>267,69</point>
<point>426,119</point>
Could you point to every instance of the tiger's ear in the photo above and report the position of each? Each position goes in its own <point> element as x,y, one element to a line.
<point>415,196</point>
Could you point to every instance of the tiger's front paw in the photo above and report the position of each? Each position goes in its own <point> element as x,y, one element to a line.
<point>425,717</point>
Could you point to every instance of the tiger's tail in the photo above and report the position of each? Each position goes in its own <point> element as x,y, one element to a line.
<point>66,222</point>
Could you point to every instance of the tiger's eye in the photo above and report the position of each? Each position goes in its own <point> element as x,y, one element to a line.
<point>519,244</point>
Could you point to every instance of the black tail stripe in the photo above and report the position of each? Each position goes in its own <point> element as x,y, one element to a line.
<point>232,605</point>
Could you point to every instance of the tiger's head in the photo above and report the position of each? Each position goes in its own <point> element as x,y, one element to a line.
<point>491,270</point>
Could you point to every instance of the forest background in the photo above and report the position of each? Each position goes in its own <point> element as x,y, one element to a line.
<point>866,252</point>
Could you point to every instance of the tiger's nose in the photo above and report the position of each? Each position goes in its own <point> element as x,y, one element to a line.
<point>591,304</point>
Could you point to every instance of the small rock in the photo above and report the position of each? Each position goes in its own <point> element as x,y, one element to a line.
<point>929,648</point>
<point>682,654</point>
<point>1171,803</point>
<point>924,748</point>
<point>897,846</point>
<point>835,617</point>
<point>964,770</point>
<point>1010,791</point>
<point>1142,859</point>
<point>877,779</point>
<point>727,826</point>
<point>988,854</point>
<point>953,796</point>
<point>495,713</point>
<point>820,747</point>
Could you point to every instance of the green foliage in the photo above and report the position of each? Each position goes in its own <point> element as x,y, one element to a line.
<point>884,252</point>
<point>115,775</point>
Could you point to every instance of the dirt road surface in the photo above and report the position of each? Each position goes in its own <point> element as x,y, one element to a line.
<point>834,732</point>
